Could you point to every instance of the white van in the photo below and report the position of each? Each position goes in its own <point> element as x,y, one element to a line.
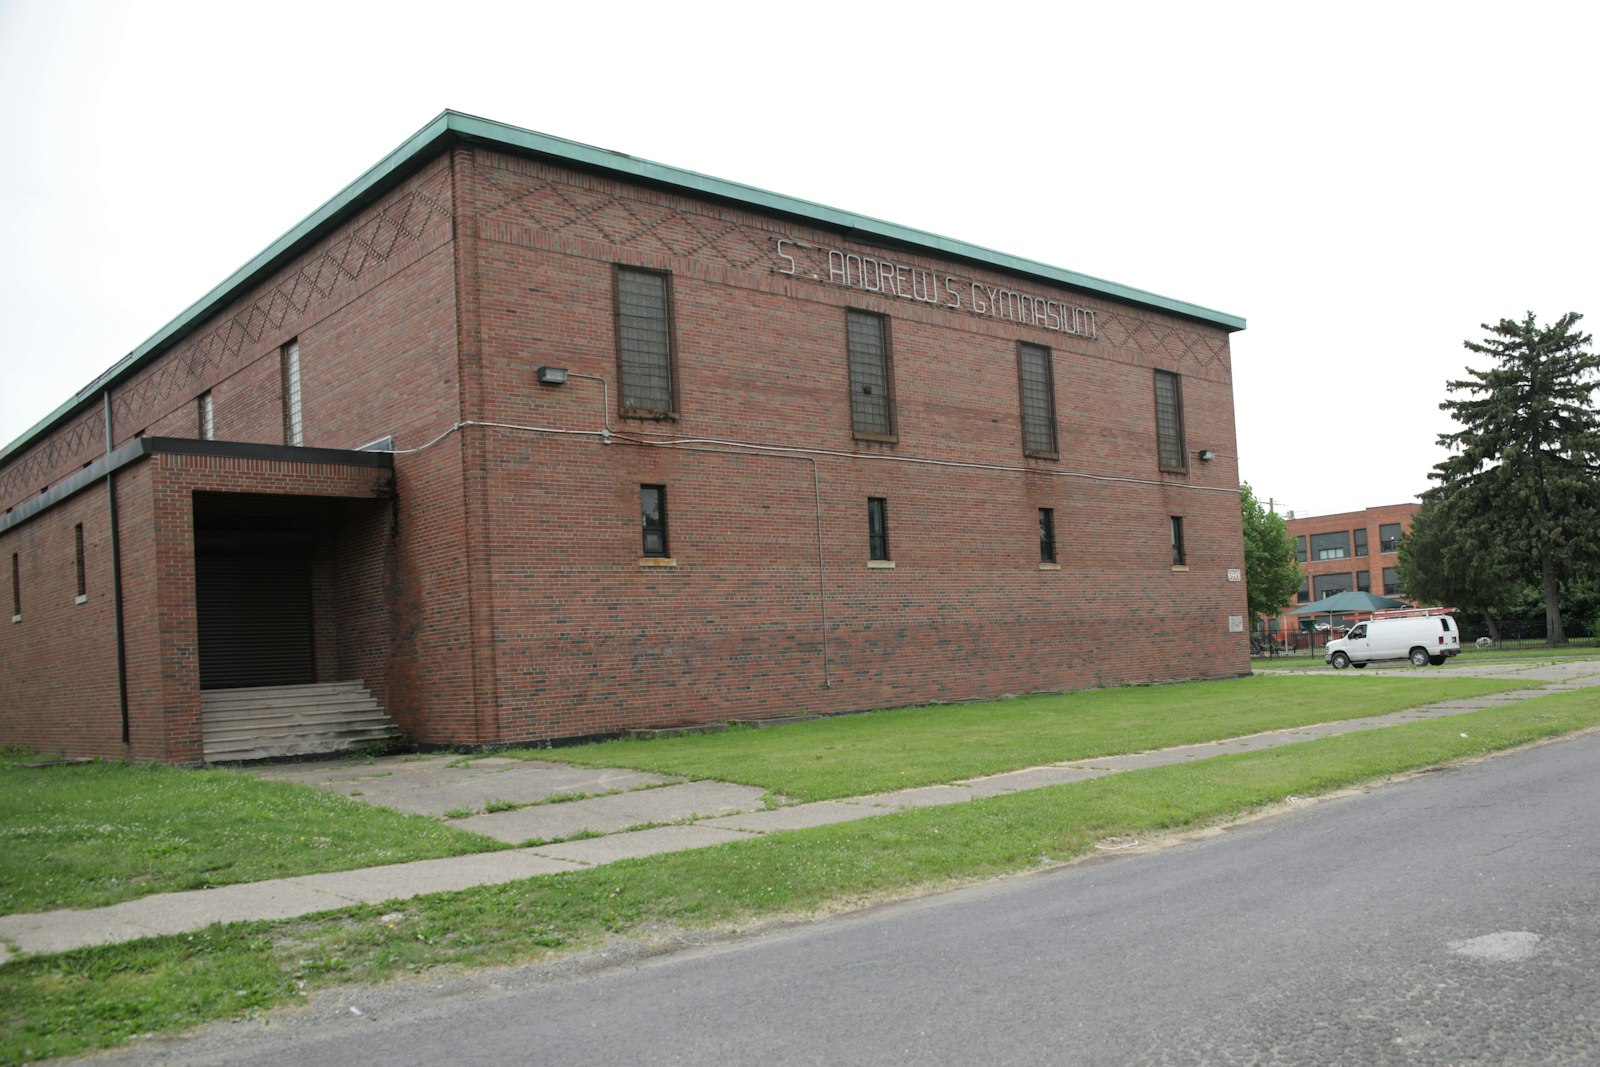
<point>1422,635</point>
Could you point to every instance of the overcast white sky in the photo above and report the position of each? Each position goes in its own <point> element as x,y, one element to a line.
<point>1365,183</point>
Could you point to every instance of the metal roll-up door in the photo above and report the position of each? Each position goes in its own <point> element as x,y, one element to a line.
<point>254,614</point>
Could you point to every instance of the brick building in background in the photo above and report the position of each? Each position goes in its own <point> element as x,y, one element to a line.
<point>1351,550</point>
<point>535,441</point>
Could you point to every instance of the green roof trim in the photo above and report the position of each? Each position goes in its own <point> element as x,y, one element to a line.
<point>456,124</point>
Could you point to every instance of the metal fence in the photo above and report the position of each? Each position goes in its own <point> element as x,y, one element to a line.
<point>1514,633</point>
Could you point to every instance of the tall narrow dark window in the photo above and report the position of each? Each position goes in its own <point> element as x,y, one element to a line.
<point>1363,582</point>
<point>644,342</point>
<point>1179,557</point>
<point>1300,549</point>
<point>207,416</point>
<point>653,519</point>
<point>877,528</point>
<point>16,587</point>
<point>871,380</point>
<point>1038,401</point>
<point>77,537</point>
<point>292,425</point>
<point>1360,537</point>
<point>1171,451</point>
<point>1047,535</point>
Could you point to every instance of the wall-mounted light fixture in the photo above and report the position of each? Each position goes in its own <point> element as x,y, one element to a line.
<point>551,375</point>
<point>1207,455</point>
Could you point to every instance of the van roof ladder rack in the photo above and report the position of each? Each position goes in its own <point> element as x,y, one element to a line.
<point>1412,613</point>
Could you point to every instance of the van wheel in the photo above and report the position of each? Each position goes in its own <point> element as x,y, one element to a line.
<point>1340,661</point>
<point>1437,661</point>
<point>1358,666</point>
<point>1419,657</point>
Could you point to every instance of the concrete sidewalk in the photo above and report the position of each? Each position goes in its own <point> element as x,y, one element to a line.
<point>616,802</point>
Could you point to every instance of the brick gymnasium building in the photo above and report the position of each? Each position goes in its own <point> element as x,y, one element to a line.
<point>536,441</point>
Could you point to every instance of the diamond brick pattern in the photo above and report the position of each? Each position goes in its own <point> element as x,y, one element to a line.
<point>66,449</point>
<point>1185,347</point>
<point>517,192</point>
<point>608,216</point>
<point>392,229</point>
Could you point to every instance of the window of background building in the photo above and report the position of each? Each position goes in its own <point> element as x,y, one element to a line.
<point>1360,537</point>
<point>1328,584</point>
<point>1363,582</point>
<point>871,377</point>
<point>1391,581</point>
<point>1389,537</point>
<point>1047,535</point>
<point>1304,595</point>
<point>877,528</point>
<point>1179,556</point>
<point>644,342</point>
<point>1300,549</point>
<point>1330,545</point>
<point>16,587</point>
<point>77,547</point>
<point>208,418</point>
<point>1038,400</point>
<point>292,426</point>
<point>653,518</point>
<point>1171,451</point>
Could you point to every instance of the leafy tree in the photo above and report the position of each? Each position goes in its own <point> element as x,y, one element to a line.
<point>1271,575</point>
<point>1440,564</point>
<point>1524,473</point>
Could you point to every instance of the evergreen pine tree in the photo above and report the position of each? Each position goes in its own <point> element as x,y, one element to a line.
<point>1523,477</point>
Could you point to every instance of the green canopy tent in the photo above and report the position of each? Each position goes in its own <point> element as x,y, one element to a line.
<point>1347,601</point>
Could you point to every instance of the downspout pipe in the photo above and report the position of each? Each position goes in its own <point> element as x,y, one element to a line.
<point>116,575</point>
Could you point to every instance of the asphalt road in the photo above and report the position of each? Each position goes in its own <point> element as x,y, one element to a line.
<point>1453,918</point>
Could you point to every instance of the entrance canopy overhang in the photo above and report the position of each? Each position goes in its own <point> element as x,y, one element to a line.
<point>380,463</point>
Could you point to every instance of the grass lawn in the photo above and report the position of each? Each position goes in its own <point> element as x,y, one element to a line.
<point>73,1002</point>
<point>854,755</point>
<point>88,835</point>
<point>94,834</point>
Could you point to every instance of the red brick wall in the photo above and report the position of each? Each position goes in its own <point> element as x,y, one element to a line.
<point>172,675</point>
<point>53,661</point>
<point>59,662</point>
<point>379,289</point>
<point>587,641</point>
<point>372,305</point>
<point>500,597</point>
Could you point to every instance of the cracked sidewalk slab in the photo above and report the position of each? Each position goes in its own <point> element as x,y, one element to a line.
<point>436,785</point>
<point>606,815</point>
<point>636,844</point>
<point>797,817</point>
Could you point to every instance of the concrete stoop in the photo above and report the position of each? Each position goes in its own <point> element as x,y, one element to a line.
<point>270,722</point>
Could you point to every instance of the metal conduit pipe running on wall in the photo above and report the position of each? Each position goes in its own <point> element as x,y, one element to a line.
<point>609,436</point>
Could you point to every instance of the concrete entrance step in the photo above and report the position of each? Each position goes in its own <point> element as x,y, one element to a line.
<point>268,722</point>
